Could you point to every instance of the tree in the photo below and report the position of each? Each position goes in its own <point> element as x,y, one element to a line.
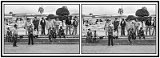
<point>130,17</point>
<point>142,14</point>
<point>50,16</point>
<point>120,11</point>
<point>62,11</point>
<point>41,10</point>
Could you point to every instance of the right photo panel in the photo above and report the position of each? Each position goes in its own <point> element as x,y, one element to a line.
<point>118,28</point>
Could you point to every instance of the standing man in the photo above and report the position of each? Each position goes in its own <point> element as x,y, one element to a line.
<point>110,35</point>
<point>75,24</point>
<point>28,22</point>
<point>148,24</point>
<point>43,24</point>
<point>9,35</point>
<point>89,36</point>
<point>15,35</point>
<point>106,27</point>
<point>116,24</point>
<point>68,26</point>
<point>36,24</point>
<point>154,26</point>
<point>123,25</point>
<point>30,35</point>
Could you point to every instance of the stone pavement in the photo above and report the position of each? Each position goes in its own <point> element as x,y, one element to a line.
<point>119,49</point>
<point>43,48</point>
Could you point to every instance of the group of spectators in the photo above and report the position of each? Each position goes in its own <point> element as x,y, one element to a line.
<point>132,28</point>
<point>54,27</point>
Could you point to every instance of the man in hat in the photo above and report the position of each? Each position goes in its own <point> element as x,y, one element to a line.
<point>123,24</point>
<point>28,22</point>
<point>106,27</point>
<point>110,35</point>
<point>116,24</point>
<point>15,35</point>
<point>43,24</point>
<point>75,25</point>
<point>89,36</point>
<point>30,35</point>
<point>36,24</point>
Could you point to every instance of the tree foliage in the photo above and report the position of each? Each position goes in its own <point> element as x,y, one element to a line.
<point>142,12</point>
<point>130,17</point>
<point>62,11</point>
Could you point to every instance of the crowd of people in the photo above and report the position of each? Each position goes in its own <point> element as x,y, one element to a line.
<point>54,27</point>
<point>132,28</point>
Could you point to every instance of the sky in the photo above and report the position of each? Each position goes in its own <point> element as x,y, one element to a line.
<point>113,9</point>
<point>33,9</point>
<point>86,9</point>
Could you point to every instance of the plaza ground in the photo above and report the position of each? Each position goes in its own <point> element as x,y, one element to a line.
<point>119,49</point>
<point>43,48</point>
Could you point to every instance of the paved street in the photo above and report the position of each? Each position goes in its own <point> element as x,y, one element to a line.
<point>43,48</point>
<point>119,49</point>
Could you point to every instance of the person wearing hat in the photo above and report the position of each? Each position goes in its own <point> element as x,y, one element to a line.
<point>36,24</point>
<point>89,36</point>
<point>116,24</point>
<point>28,22</point>
<point>75,25</point>
<point>30,35</point>
<point>110,35</point>
<point>15,35</point>
<point>123,25</point>
<point>106,27</point>
<point>43,24</point>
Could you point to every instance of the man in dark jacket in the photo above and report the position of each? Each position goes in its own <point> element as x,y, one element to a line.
<point>116,24</point>
<point>89,36</point>
<point>68,25</point>
<point>36,24</point>
<point>15,35</point>
<point>123,24</point>
<point>75,24</point>
<point>148,25</point>
<point>30,35</point>
<point>110,35</point>
<point>43,24</point>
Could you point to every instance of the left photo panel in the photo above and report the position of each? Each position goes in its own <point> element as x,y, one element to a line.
<point>35,28</point>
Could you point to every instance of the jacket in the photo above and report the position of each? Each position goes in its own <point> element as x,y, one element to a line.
<point>123,24</point>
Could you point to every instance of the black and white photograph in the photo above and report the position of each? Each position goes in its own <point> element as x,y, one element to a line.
<point>79,28</point>
<point>118,28</point>
<point>41,28</point>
